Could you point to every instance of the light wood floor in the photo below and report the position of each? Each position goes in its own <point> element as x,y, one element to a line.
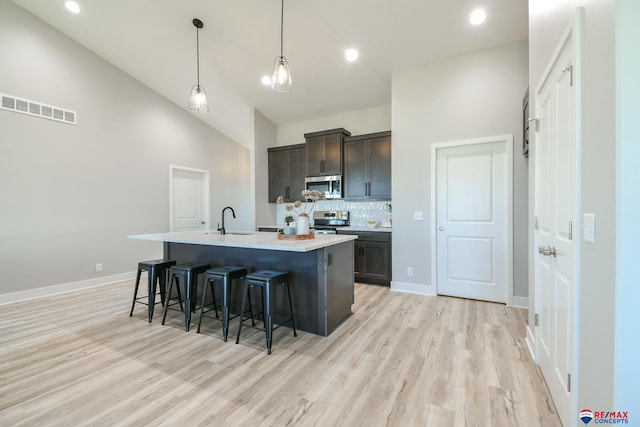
<point>400,360</point>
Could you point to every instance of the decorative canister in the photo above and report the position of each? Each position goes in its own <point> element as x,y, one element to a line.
<point>303,224</point>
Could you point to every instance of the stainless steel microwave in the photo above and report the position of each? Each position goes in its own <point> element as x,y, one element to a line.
<point>330,186</point>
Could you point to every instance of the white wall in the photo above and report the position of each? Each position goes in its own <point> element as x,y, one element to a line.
<point>471,96</point>
<point>70,194</point>
<point>627,317</point>
<point>266,134</point>
<point>359,122</point>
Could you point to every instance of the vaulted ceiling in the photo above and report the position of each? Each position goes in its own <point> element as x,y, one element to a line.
<point>155,42</point>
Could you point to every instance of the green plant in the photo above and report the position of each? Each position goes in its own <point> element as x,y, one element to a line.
<point>288,219</point>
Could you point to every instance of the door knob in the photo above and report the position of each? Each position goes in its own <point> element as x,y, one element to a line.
<point>441,228</point>
<point>547,250</point>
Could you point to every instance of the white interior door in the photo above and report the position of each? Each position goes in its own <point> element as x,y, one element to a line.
<point>473,216</point>
<point>556,212</point>
<point>189,199</point>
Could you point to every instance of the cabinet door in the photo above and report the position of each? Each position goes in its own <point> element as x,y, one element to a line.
<point>332,164</point>
<point>380,168</point>
<point>297,173</point>
<point>376,261</point>
<point>355,170</point>
<point>278,174</point>
<point>315,155</point>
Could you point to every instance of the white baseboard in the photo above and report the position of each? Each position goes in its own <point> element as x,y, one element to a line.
<point>520,302</point>
<point>65,287</point>
<point>420,289</point>
<point>413,288</point>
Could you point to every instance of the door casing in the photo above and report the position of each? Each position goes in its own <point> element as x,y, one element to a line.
<point>204,176</point>
<point>508,141</point>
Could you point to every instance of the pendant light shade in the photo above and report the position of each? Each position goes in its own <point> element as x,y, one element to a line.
<point>281,80</point>
<point>198,98</point>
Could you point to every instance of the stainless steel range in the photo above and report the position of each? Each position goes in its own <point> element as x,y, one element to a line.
<point>327,222</point>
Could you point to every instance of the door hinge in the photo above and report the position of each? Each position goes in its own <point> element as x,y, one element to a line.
<point>536,319</point>
<point>535,222</point>
<point>568,383</point>
<point>570,230</point>
<point>570,70</point>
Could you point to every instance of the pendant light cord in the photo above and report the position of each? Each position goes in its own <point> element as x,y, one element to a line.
<point>281,28</point>
<point>198,54</point>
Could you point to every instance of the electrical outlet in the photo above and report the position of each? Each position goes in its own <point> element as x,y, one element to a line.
<point>418,215</point>
<point>98,268</point>
<point>410,271</point>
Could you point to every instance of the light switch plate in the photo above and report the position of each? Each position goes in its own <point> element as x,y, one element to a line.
<point>589,227</point>
<point>418,215</point>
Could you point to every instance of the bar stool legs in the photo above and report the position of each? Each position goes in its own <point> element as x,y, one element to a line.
<point>189,272</point>
<point>224,276</point>
<point>157,273</point>
<point>266,279</point>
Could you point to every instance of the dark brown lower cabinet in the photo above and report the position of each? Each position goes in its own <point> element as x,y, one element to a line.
<point>372,257</point>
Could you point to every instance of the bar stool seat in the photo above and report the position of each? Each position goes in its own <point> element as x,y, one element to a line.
<point>189,272</point>
<point>225,276</point>
<point>266,280</point>
<point>157,273</point>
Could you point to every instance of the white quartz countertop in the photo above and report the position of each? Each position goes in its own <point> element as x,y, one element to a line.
<point>246,239</point>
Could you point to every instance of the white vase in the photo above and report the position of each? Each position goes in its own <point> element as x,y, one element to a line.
<point>303,224</point>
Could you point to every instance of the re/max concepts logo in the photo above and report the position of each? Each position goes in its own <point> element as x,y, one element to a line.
<point>604,417</point>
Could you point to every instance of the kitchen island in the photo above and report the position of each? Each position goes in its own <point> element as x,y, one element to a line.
<point>320,269</point>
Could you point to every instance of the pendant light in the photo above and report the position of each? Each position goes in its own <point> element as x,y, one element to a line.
<point>281,80</point>
<point>198,98</point>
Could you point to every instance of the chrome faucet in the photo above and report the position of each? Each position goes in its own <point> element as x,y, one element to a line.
<point>221,229</point>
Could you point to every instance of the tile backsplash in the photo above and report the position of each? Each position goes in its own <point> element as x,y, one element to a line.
<point>360,212</point>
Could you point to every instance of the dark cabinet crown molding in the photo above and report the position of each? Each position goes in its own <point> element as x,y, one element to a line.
<point>327,132</point>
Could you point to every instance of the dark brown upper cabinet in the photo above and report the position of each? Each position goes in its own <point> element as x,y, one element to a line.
<point>324,151</point>
<point>286,172</point>
<point>367,166</point>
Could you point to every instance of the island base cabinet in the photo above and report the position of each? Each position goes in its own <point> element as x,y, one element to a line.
<point>321,281</point>
<point>338,264</point>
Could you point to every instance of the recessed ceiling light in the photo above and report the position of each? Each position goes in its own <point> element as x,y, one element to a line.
<point>266,80</point>
<point>72,6</point>
<point>351,54</point>
<point>477,17</point>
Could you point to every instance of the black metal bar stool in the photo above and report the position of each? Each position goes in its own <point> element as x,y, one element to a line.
<point>189,272</point>
<point>157,273</point>
<point>224,276</point>
<point>266,280</point>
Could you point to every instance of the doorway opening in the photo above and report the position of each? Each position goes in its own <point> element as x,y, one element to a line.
<point>472,218</point>
<point>189,198</point>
